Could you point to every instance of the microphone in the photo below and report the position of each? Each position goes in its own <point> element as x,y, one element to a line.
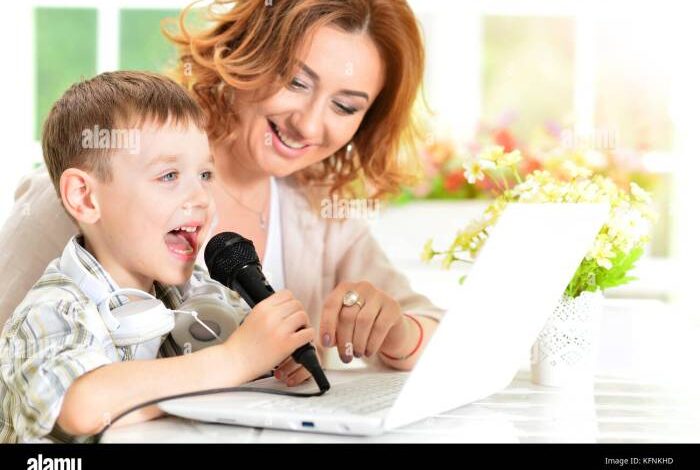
<point>233,261</point>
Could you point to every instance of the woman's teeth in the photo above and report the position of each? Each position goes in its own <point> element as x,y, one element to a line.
<point>286,140</point>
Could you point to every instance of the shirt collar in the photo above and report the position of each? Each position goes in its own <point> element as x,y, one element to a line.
<point>95,269</point>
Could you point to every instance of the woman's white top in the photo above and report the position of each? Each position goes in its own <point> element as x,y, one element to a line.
<point>273,262</point>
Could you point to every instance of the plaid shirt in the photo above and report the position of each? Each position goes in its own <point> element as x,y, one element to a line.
<point>57,334</point>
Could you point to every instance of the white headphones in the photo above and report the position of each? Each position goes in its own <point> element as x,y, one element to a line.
<point>144,322</point>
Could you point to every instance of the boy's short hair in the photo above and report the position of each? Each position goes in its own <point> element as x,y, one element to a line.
<point>109,103</point>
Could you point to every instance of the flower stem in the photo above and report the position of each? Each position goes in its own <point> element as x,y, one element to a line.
<point>495,181</point>
<point>517,175</point>
<point>505,182</point>
<point>467,261</point>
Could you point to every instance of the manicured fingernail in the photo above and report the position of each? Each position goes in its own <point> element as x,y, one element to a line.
<point>357,354</point>
<point>282,375</point>
<point>346,359</point>
<point>368,353</point>
<point>326,340</point>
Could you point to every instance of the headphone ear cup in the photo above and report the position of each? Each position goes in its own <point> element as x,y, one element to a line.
<point>141,321</point>
<point>218,315</point>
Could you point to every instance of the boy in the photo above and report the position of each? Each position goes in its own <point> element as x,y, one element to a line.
<point>130,160</point>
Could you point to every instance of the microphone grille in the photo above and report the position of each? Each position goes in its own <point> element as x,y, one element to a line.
<point>227,252</point>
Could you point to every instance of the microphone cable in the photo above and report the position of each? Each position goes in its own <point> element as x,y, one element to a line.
<point>98,437</point>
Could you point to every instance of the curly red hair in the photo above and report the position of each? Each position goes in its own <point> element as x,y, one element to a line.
<point>253,44</point>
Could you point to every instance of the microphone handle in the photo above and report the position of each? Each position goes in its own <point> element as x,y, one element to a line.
<point>250,282</point>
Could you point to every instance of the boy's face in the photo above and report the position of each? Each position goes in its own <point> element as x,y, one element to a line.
<point>157,209</point>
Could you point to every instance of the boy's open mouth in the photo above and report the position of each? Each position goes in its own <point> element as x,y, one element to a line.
<point>183,240</point>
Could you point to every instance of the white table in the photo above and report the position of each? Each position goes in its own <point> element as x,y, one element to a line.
<point>618,411</point>
<point>642,393</point>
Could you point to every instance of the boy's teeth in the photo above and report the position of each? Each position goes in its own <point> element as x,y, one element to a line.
<point>180,243</point>
<point>187,229</point>
<point>288,141</point>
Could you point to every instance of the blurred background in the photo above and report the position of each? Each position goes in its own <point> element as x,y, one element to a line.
<point>612,85</point>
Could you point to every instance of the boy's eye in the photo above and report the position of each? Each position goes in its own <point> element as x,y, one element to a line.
<point>171,176</point>
<point>207,175</point>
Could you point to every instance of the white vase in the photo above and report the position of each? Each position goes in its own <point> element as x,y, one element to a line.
<point>566,350</point>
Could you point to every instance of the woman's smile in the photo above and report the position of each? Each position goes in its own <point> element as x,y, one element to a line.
<point>285,145</point>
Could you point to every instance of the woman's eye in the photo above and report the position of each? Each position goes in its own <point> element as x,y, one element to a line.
<point>168,177</point>
<point>207,175</point>
<point>297,84</point>
<point>343,109</point>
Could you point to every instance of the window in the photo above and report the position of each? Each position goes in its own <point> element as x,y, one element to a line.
<point>142,46</point>
<point>633,85</point>
<point>64,53</point>
<point>527,71</point>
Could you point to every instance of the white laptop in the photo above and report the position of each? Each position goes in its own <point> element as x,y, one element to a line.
<point>491,321</point>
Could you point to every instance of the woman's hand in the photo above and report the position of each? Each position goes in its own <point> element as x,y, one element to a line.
<point>377,325</point>
<point>293,373</point>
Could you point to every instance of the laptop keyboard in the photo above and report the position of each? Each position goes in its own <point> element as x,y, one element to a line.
<point>361,396</point>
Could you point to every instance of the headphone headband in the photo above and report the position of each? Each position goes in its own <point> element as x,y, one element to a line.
<point>145,321</point>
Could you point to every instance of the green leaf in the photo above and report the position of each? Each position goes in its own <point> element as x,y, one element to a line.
<point>603,278</point>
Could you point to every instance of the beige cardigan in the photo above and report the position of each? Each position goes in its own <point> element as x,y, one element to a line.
<point>318,253</point>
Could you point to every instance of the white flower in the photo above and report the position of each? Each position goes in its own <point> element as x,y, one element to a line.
<point>512,158</point>
<point>602,252</point>
<point>525,186</point>
<point>529,190</point>
<point>474,169</point>
<point>493,153</point>
<point>627,227</point>
<point>553,192</point>
<point>639,194</point>
<point>478,224</point>
<point>589,192</point>
<point>575,171</point>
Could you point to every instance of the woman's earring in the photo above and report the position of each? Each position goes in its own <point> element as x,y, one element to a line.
<point>348,150</point>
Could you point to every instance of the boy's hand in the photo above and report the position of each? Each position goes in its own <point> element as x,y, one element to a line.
<point>271,332</point>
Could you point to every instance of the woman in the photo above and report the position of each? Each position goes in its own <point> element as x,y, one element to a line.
<point>304,99</point>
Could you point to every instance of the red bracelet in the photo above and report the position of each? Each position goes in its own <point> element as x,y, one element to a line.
<point>420,340</point>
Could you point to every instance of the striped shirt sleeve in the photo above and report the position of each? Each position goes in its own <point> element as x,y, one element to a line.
<point>44,349</point>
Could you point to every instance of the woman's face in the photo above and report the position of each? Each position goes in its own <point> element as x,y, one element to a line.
<point>318,112</point>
